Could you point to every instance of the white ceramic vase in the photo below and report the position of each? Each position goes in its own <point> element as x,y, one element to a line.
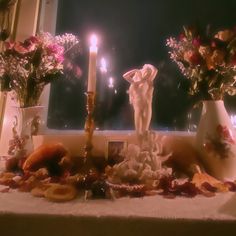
<point>215,139</point>
<point>25,125</point>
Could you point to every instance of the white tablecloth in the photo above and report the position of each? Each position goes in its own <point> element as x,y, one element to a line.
<point>22,214</point>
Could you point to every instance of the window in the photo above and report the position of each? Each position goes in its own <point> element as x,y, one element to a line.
<point>131,34</point>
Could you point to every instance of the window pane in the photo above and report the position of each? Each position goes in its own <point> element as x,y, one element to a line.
<point>131,34</point>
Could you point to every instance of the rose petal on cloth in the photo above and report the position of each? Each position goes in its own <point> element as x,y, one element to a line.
<point>4,189</point>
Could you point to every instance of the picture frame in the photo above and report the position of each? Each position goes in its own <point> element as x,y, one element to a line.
<point>113,150</point>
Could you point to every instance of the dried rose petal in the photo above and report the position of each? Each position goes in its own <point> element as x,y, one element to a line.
<point>171,187</point>
<point>4,190</point>
<point>188,189</point>
<point>165,182</point>
<point>231,186</point>
<point>209,187</point>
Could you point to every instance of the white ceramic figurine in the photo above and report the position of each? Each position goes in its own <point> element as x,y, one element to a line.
<point>140,96</point>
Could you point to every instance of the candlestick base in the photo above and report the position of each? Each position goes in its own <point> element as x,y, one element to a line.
<point>89,129</point>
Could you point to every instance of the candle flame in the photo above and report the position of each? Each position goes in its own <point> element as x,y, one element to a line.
<point>111,82</point>
<point>103,67</point>
<point>103,63</point>
<point>93,40</point>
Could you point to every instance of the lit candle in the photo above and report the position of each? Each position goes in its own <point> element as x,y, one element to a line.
<point>92,64</point>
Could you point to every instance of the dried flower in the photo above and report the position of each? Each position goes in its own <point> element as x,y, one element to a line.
<point>28,66</point>
<point>225,35</point>
<point>208,61</point>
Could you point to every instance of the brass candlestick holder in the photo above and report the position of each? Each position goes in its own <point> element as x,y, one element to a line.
<point>89,127</point>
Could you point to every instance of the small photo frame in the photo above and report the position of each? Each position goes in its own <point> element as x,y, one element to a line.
<point>113,151</point>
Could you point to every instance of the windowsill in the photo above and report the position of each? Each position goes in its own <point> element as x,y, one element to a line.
<point>115,132</point>
<point>75,140</point>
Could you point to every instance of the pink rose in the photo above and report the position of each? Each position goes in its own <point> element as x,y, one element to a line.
<point>20,48</point>
<point>34,39</point>
<point>30,46</point>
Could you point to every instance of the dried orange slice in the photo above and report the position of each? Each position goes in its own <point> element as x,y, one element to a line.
<point>200,178</point>
<point>40,190</point>
<point>60,193</point>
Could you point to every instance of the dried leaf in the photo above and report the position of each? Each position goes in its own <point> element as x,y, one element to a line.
<point>231,91</point>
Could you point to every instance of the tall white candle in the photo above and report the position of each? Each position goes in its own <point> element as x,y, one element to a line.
<point>92,64</point>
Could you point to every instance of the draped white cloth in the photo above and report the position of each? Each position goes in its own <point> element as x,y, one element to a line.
<point>23,214</point>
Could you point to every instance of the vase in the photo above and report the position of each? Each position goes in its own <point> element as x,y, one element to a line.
<point>215,140</point>
<point>26,123</point>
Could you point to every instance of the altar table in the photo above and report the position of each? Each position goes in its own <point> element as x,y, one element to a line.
<point>23,214</point>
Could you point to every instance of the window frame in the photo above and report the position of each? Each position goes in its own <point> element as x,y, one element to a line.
<point>32,16</point>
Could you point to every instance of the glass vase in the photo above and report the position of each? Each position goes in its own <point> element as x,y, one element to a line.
<point>215,140</point>
<point>26,124</point>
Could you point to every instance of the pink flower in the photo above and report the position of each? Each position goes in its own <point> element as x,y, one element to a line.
<point>59,58</point>
<point>34,39</point>
<point>44,55</point>
<point>55,49</point>
<point>196,42</point>
<point>182,37</point>
<point>20,48</point>
<point>30,47</point>
<point>9,45</point>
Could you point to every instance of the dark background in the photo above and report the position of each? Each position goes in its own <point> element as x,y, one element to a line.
<point>132,33</point>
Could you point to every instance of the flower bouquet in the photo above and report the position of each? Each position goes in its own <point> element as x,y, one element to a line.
<point>26,67</point>
<point>207,60</point>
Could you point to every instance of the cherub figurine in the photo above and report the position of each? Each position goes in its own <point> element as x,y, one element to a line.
<point>140,96</point>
